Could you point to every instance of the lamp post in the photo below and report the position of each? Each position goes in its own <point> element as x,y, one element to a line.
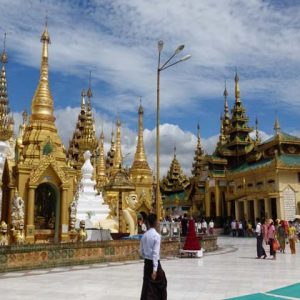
<point>160,68</point>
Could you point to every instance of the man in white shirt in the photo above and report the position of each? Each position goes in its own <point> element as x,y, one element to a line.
<point>259,240</point>
<point>154,282</point>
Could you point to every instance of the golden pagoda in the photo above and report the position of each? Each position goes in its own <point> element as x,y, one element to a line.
<point>140,172</point>
<point>6,121</point>
<point>84,136</point>
<point>40,173</point>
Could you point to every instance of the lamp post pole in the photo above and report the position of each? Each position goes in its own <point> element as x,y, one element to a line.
<point>160,68</point>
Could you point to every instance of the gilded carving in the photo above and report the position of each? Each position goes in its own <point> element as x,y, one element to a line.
<point>82,236</point>
<point>129,213</point>
<point>45,162</point>
<point>3,234</point>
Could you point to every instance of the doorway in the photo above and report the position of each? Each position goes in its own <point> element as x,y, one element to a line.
<point>274,208</point>
<point>46,209</point>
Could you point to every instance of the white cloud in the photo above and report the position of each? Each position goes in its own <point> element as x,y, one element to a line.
<point>117,39</point>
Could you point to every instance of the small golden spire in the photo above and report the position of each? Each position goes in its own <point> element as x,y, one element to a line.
<point>101,170</point>
<point>4,58</point>
<point>89,91</point>
<point>237,87</point>
<point>277,126</point>
<point>118,158</point>
<point>175,151</point>
<point>83,99</point>
<point>24,116</point>
<point>42,102</point>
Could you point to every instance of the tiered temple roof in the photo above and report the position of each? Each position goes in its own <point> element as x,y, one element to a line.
<point>199,158</point>
<point>175,181</point>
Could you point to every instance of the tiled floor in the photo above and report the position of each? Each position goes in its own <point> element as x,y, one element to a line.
<point>230,272</point>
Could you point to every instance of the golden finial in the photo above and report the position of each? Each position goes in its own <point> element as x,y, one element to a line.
<point>237,87</point>
<point>277,126</point>
<point>4,58</point>
<point>141,111</point>
<point>225,90</point>
<point>24,116</point>
<point>89,91</point>
<point>198,130</point>
<point>45,36</point>
<point>118,122</point>
<point>175,151</point>
<point>82,99</point>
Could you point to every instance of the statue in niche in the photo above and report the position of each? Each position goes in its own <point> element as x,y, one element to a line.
<point>129,213</point>
<point>3,234</point>
<point>17,211</point>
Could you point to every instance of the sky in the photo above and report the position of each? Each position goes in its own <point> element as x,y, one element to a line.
<point>117,41</point>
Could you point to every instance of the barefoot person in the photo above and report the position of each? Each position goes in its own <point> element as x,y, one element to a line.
<point>154,282</point>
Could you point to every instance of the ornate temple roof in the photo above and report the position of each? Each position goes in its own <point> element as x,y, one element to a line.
<point>6,121</point>
<point>120,181</point>
<point>238,142</point>
<point>175,180</point>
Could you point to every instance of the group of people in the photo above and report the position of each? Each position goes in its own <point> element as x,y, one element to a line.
<point>241,228</point>
<point>201,226</point>
<point>276,235</point>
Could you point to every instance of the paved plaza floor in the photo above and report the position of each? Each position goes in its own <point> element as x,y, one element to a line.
<point>230,272</point>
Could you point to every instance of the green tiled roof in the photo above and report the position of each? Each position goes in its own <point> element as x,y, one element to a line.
<point>175,196</point>
<point>290,160</point>
<point>247,166</point>
<point>284,136</point>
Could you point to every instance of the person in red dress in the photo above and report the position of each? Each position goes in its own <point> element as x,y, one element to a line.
<point>191,242</point>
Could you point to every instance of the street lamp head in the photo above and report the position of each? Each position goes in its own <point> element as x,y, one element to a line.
<point>179,49</point>
<point>186,57</point>
<point>160,45</point>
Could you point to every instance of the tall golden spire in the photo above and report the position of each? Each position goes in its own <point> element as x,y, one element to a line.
<point>140,160</point>
<point>237,87</point>
<point>101,170</point>
<point>6,121</point>
<point>118,158</point>
<point>83,100</point>
<point>198,164</point>
<point>42,102</point>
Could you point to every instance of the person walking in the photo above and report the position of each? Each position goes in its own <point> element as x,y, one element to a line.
<point>259,240</point>
<point>271,238</point>
<point>211,226</point>
<point>154,281</point>
<point>281,235</point>
<point>233,227</point>
<point>292,237</point>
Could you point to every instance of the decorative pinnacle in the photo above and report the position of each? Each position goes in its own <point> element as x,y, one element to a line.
<point>45,36</point>
<point>89,91</point>
<point>225,90</point>
<point>198,131</point>
<point>141,111</point>
<point>236,78</point>
<point>24,115</point>
<point>4,55</point>
<point>277,126</point>
<point>174,151</point>
<point>82,99</point>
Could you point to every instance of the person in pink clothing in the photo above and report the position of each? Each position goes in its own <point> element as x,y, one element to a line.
<point>271,237</point>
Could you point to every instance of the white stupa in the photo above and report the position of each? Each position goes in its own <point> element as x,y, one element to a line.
<point>90,206</point>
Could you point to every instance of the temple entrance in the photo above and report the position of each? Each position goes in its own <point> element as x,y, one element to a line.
<point>46,210</point>
<point>274,208</point>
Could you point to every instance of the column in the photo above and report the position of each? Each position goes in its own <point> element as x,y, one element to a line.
<point>267,208</point>
<point>237,211</point>
<point>207,199</point>
<point>30,215</point>
<point>256,210</point>
<point>246,210</point>
<point>228,203</point>
<point>217,198</point>
<point>64,219</point>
